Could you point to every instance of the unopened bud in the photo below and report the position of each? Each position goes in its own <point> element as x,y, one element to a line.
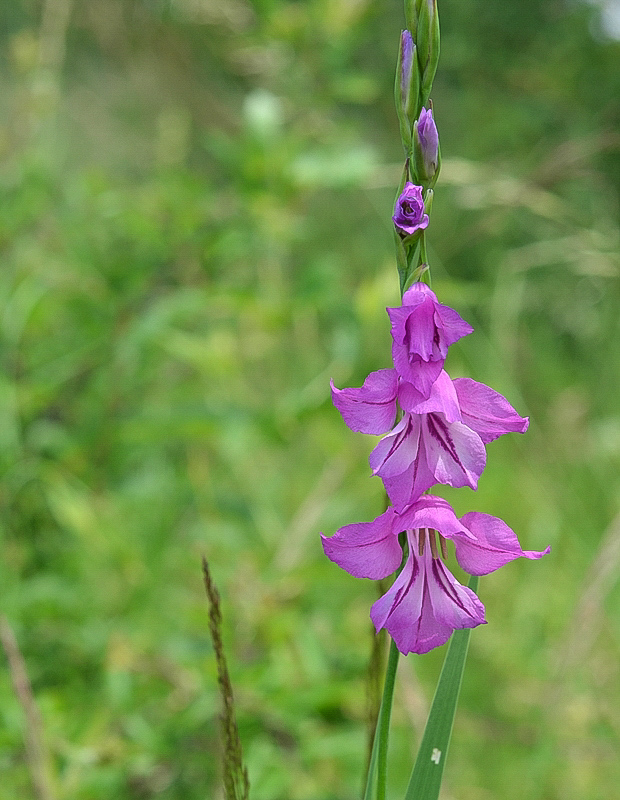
<point>407,60</point>
<point>426,148</point>
<point>426,37</point>
<point>407,86</point>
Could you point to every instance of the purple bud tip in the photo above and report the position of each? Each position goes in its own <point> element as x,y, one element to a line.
<point>406,46</point>
<point>406,60</point>
<point>429,141</point>
<point>427,130</point>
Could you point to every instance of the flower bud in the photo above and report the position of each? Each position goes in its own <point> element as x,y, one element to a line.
<point>407,86</point>
<point>407,57</point>
<point>423,19</point>
<point>426,147</point>
<point>409,214</point>
<point>426,37</point>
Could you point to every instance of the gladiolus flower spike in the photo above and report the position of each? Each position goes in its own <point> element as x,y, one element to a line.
<point>434,431</point>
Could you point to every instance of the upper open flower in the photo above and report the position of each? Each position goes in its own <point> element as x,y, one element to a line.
<point>439,439</point>
<point>431,444</point>
<point>422,330</point>
<point>409,215</point>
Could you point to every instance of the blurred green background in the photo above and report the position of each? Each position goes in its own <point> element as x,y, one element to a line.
<point>195,201</point>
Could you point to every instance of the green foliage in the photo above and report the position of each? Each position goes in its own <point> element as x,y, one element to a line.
<point>431,757</point>
<point>195,203</point>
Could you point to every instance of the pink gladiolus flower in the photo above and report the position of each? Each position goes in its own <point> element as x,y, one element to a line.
<point>440,439</point>
<point>426,602</point>
<point>431,444</point>
<point>422,330</point>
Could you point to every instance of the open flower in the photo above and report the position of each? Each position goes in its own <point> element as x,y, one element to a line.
<point>439,439</point>
<point>426,602</point>
<point>422,331</point>
<point>409,215</point>
<point>429,445</point>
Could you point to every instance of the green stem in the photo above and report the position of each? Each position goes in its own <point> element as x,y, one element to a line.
<point>423,256</point>
<point>378,758</point>
<point>423,259</point>
<point>384,720</point>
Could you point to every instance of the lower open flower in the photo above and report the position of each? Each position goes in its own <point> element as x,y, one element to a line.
<point>426,602</point>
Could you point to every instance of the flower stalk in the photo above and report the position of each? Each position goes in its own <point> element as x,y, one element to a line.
<point>378,758</point>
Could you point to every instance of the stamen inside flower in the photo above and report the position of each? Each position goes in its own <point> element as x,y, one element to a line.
<point>423,533</point>
<point>433,542</point>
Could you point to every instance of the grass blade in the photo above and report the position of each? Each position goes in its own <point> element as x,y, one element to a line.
<point>425,780</point>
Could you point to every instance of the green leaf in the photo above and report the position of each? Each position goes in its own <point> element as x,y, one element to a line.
<point>425,779</point>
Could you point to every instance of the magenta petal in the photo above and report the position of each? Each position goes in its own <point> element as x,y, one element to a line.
<point>411,228</point>
<point>366,549</point>
<point>407,487</point>
<point>494,544</point>
<point>430,511</point>
<point>442,398</point>
<point>425,604</point>
<point>453,604</point>
<point>451,325</point>
<point>409,397</point>
<point>428,633</point>
<point>455,454</point>
<point>397,450</point>
<point>401,463</point>
<point>419,334</point>
<point>421,374</point>
<point>413,299</point>
<point>372,407</point>
<point>417,293</point>
<point>486,411</point>
<point>407,588</point>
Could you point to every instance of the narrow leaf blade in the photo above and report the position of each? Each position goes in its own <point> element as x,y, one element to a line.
<point>427,772</point>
